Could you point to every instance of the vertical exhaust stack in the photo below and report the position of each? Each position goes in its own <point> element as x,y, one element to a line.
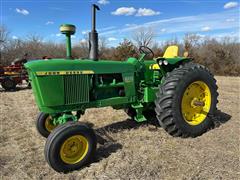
<point>93,36</point>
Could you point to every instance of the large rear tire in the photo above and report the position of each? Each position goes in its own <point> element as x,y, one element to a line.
<point>70,146</point>
<point>185,101</point>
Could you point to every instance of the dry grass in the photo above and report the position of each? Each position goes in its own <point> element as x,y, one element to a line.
<point>128,150</point>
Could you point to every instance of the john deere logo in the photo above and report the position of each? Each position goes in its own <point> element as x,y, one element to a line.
<point>49,73</point>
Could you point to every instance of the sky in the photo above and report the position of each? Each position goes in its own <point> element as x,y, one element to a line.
<point>119,19</point>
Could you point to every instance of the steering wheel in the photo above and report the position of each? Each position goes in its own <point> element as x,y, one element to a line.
<point>146,50</point>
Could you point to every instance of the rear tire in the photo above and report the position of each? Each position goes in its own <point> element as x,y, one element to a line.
<point>9,84</point>
<point>70,146</point>
<point>170,109</point>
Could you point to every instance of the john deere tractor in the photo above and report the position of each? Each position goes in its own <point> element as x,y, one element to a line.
<point>180,94</point>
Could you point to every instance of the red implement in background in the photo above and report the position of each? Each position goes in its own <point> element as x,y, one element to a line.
<point>11,76</point>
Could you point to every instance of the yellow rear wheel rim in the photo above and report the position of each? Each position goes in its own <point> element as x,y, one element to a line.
<point>49,124</point>
<point>74,149</point>
<point>196,103</point>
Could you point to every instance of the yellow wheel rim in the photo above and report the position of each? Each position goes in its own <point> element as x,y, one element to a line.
<point>74,149</point>
<point>49,124</point>
<point>196,103</point>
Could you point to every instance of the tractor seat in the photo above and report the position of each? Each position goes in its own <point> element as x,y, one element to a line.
<point>171,52</point>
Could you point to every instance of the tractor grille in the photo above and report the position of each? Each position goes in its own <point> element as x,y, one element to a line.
<point>76,89</point>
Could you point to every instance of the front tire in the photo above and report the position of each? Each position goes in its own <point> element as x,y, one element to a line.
<point>185,100</point>
<point>70,146</point>
<point>44,124</point>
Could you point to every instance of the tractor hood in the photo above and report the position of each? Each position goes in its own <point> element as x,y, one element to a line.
<point>93,67</point>
<point>61,83</point>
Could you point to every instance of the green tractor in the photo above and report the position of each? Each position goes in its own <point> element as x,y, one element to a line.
<point>180,94</point>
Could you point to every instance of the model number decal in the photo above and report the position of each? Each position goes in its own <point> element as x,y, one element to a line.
<point>47,73</point>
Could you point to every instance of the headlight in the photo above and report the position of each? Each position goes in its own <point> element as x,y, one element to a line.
<point>160,62</point>
<point>165,62</point>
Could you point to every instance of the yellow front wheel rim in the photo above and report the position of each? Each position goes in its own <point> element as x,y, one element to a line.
<point>74,149</point>
<point>49,124</point>
<point>196,103</point>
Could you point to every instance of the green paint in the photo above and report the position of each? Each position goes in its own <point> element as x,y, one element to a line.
<point>173,61</point>
<point>62,86</point>
<point>139,109</point>
<point>68,46</point>
<point>149,94</point>
<point>68,30</point>
<point>64,118</point>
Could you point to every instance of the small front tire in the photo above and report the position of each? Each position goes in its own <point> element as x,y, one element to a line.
<point>44,124</point>
<point>70,146</point>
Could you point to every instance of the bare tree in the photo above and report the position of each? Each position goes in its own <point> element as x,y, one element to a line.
<point>103,49</point>
<point>103,43</point>
<point>143,36</point>
<point>34,46</point>
<point>84,48</point>
<point>157,49</point>
<point>4,35</point>
<point>191,40</point>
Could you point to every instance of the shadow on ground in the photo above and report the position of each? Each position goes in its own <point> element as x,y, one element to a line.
<point>108,145</point>
<point>220,118</point>
<point>16,89</point>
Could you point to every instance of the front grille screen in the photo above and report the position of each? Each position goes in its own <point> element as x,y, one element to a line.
<point>76,88</point>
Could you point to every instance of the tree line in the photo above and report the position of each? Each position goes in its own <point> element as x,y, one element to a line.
<point>221,56</point>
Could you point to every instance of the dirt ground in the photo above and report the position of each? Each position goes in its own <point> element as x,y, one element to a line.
<point>126,150</point>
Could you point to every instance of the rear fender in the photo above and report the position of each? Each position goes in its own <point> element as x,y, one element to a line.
<point>168,64</point>
<point>177,60</point>
<point>172,61</point>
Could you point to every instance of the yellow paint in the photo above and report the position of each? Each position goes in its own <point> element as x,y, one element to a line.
<point>11,73</point>
<point>196,103</point>
<point>67,28</point>
<point>49,73</point>
<point>171,52</point>
<point>48,124</point>
<point>74,149</point>
<point>185,54</point>
<point>154,66</point>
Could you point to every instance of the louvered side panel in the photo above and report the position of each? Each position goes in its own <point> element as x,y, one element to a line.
<point>76,89</point>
